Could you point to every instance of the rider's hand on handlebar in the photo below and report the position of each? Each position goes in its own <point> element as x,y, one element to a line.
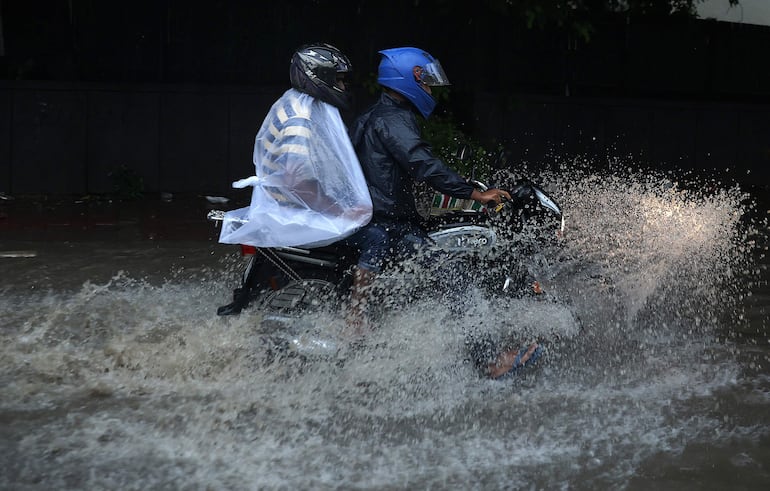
<point>490,196</point>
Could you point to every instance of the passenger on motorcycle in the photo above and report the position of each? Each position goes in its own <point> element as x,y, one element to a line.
<point>309,189</point>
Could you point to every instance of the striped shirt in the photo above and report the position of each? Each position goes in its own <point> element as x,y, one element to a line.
<point>282,145</point>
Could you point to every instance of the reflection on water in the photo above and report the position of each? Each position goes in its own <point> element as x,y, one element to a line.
<point>115,372</point>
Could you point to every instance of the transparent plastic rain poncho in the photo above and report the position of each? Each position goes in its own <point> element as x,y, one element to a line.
<point>309,189</point>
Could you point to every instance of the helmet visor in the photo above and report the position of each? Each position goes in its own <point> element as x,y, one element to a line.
<point>341,63</point>
<point>433,74</point>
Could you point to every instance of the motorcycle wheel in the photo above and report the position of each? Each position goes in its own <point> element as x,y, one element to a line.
<point>316,290</point>
<point>288,314</point>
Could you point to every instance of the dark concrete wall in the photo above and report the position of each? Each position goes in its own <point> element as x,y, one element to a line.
<point>59,138</point>
<point>174,91</point>
<point>65,138</point>
<point>687,135</point>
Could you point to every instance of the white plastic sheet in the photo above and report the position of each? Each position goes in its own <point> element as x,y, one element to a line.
<point>309,189</point>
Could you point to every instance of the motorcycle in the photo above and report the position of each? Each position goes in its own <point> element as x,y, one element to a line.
<point>287,283</point>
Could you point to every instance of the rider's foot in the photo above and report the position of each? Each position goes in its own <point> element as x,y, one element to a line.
<point>240,301</point>
<point>233,308</point>
<point>512,360</point>
<point>356,322</point>
<point>355,319</point>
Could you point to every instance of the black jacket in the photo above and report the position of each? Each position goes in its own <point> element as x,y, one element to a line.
<point>392,154</point>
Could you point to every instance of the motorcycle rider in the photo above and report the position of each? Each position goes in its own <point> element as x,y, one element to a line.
<point>308,186</point>
<point>393,155</point>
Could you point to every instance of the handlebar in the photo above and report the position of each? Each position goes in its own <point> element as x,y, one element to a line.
<point>527,197</point>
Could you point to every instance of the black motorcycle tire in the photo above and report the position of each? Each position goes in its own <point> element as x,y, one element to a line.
<point>311,290</point>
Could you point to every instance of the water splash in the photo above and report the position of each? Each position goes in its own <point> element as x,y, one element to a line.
<point>136,384</point>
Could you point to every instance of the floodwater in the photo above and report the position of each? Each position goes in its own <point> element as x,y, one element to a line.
<point>116,373</point>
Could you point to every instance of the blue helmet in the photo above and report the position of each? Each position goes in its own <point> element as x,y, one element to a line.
<point>406,70</point>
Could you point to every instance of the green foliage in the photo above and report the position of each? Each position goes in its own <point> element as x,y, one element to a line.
<point>445,137</point>
<point>578,16</point>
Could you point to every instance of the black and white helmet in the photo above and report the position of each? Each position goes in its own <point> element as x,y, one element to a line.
<point>317,69</point>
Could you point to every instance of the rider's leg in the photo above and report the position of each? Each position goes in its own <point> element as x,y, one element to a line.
<point>242,294</point>
<point>372,242</point>
<point>359,297</point>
